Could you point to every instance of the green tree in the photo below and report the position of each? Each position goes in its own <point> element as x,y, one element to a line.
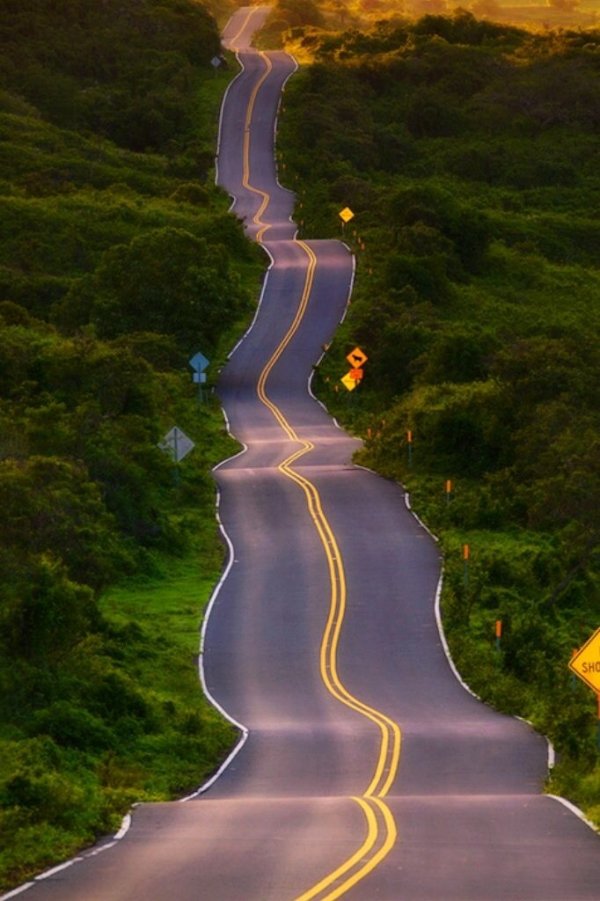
<point>52,507</point>
<point>168,282</point>
<point>43,614</point>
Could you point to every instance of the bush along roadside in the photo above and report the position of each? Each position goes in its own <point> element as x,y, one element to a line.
<point>116,252</point>
<point>475,304</point>
<point>102,705</point>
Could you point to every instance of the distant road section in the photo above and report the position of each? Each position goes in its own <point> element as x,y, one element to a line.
<point>369,771</point>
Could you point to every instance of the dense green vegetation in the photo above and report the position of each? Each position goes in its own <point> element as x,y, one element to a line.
<point>118,260</point>
<point>123,71</point>
<point>468,153</point>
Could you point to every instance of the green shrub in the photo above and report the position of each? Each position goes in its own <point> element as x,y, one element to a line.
<point>72,726</point>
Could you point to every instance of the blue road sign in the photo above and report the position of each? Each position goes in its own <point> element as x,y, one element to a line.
<point>199,362</point>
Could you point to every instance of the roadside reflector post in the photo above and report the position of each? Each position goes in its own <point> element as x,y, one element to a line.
<point>466,553</point>
<point>409,441</point>
<point>448,490</point>
<point>498,631</point>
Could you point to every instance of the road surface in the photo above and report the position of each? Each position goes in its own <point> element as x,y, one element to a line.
<point>369,772</point>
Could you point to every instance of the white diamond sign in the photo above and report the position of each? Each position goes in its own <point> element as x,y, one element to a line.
<point>177,444</point>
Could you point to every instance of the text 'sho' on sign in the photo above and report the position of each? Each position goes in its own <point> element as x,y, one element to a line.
<point>585,662</point>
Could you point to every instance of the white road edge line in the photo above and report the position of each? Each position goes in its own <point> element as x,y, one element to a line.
<point>442,634</point>
<point>578,813</point>
<point>243,729</point>
<point>312,374</point>
<point>61,866</point>
<point>46,874</point>
<point>420,521</point>
<point>223,102</point>
<point>252,324</point>
<point>208,694</point>
<point>275,121</point>
<point>551,753</point>
<point>551,758</point>
<point>125,824</point>
<point>16,891</point>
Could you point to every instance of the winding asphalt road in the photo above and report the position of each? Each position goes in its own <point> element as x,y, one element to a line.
<point>368,772</point>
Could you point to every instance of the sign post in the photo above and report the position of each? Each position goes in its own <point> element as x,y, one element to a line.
<point>357,358</point>
<point>178,445</point>
<point>199,363</point>
<point>448,490</point>
<point>346,215</point>
<point>498,632</point>
<point>585,663</point>
<point>349,382</point>
<point>466,553</point>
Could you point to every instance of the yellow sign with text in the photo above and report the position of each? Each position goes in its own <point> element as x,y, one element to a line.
<point>585,662</point>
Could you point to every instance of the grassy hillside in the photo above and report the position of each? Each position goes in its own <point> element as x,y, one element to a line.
<point>116,253</point>
<point>467,152</point>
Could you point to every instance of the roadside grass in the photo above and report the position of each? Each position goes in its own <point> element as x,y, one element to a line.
<point>146,733</point>
<point>166,610</point>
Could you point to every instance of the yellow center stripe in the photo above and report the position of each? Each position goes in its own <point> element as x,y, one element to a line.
<point>381,827</point>
<point>232,42</point>
<point>370,807</point>
<point>265,197</point>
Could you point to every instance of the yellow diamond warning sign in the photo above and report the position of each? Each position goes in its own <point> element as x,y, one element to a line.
<point>357,358</point>
<point>346,214</point>
<point>585,662</point>
<point>349,382</point>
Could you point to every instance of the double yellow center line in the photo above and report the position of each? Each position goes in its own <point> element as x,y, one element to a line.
<point>381,830</point>
<point>381,827</point>
<point>257,219</point>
